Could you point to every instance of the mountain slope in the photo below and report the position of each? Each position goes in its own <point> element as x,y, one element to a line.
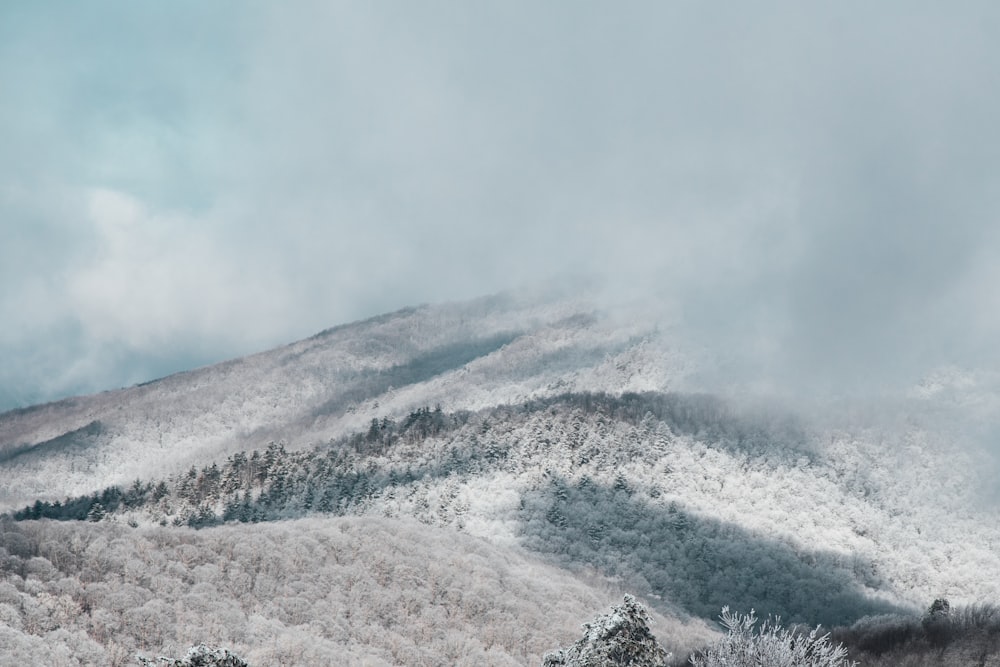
<point>546,424</point>
<point>340,591</point>
<point>679,496</point>
<point>469,355</point>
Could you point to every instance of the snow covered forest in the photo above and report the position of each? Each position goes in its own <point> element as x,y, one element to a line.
<point>693,503</point>
<point>466,484</point>
<point>305,592</point>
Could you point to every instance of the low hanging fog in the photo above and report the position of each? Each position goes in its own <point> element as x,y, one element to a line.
<point>810,193</point>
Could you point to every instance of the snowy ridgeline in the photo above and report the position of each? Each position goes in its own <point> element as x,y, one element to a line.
<point>556,435</point>
<point>471,355</point>
<point>681,497</point>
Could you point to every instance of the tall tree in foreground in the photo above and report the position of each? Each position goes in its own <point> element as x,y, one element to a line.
<point>621,637</point>
<point>198,656</point>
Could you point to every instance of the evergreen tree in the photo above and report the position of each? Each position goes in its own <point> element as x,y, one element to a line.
<point>96,512</point>
<point>621,637</point>
<point>198,656</point>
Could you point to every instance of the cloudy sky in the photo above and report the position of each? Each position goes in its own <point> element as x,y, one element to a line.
<point>818,188</point>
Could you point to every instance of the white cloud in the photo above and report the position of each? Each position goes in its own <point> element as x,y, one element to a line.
<point>229,175</point>
<point>157,278</point>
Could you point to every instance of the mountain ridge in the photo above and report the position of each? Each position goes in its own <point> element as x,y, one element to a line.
<point>326,385</point>
<point>574,433</point>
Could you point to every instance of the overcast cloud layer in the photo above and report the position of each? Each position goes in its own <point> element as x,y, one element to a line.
<point>815,187</point>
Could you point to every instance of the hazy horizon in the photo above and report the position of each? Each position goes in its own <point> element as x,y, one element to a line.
<point>813,189</point>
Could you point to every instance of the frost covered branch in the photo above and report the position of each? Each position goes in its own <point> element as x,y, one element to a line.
<point>770,645</point>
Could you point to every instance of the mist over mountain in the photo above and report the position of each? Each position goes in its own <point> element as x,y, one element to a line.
<point>813,190</point>
<point>465,355</point>
<point>740,349</point>
<point>549,424</point>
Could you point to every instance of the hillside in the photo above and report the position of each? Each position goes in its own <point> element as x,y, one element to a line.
<point>343,591</point>
<point>680,496</point>
<point>470,355</point>
<point>540,428</point>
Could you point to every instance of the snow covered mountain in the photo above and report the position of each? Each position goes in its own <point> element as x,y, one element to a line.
<point>563,432</point>
<point>472,355</point>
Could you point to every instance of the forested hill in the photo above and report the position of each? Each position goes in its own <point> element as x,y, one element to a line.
<point>332,591</point>
<point>682,497</point>
<point>470,355</point>
<point>526,429</point>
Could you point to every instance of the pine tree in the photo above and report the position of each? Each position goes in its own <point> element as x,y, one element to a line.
<point>198,656</point>
<point>96,512</point>
<point>621,637</point>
